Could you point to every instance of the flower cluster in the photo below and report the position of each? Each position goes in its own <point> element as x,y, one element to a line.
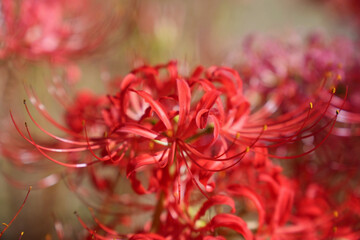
<point>193,143</point>
<point>300,66</point>
<point>265,149</point>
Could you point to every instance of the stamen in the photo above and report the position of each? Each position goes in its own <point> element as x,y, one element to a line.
<point>178,181</point>
<point>328,74</point>
<point>106,158</point>
<point>160,142</point>
<point>17,213</point>
<point>237,157</point>
<point>102,226</point>
<point>311,150</point>
<point>52,149</point>
<point>169,133</point>
<point>50,134</point>
<point>76,165</point>
<point>192,176</point>
<point>36,102</point>
<point>83,223</point>
<point>302,129</point>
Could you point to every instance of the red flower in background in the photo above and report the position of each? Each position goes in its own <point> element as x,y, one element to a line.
<point>299,67</point>
<point>347,10</point>
<point>53,29</point>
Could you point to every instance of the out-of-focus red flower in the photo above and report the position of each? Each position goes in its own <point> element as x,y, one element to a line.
<point>86,106</point>
<point>56,30</point>
<point>299,66</point>
<point>346,10</point>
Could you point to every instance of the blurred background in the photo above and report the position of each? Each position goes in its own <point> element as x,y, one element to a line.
<point>98,41</point>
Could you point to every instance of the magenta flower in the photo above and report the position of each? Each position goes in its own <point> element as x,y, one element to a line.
<point>291,63</point>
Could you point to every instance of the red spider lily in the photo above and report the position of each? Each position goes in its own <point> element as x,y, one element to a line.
<point>173,126</point>
<point>54,29</point>
<point>333,168</point>
<point>269,64</point>
<point>180,134</point>
<point>284,209</point>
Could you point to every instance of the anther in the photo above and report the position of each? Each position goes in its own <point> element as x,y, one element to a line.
<point>311,105</point>
<point>337,112</point>
<point>93,235</point>
<point>169,133</point>
<point>265,127</point>
<point>237,136</point>
<point>336,214</point>
<point>338,77</point>
<point>247,149</point>
<point>222,174</point>
<point>334,90</point>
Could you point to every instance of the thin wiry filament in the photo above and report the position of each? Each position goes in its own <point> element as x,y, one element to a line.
<point>17,213</point>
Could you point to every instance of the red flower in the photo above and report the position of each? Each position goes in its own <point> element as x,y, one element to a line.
<point>54,29</point>
<point>182,134</point>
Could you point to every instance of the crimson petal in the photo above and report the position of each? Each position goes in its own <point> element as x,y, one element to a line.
<point>184,100</point>
<point>157,107</point>
<point>230,221</point>
<point>215,200</point>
